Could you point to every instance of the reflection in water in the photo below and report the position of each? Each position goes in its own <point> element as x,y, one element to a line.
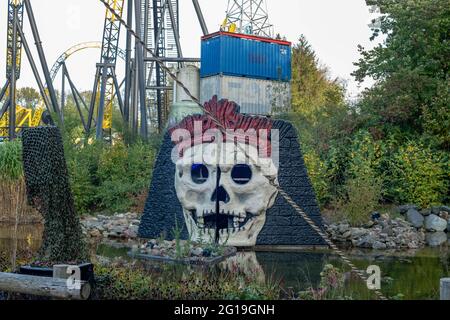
<point>415,275</point>
<point>246,263</point>
<point>19,242</point>
<point>299,270</point>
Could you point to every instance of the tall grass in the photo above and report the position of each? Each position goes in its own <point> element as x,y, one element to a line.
<point>11,168</point>
<point>14,206</point>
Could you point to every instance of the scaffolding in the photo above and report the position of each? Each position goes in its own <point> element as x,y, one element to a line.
<point>160,31</point>
<point>248,17</point>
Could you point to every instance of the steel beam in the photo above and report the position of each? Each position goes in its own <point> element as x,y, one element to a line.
<point>201,18</point>
<point>174,60</point>
<point>42,58</point>
<point>93,100</point>
<point>141,75</point>
<point>101,105</point>
<point>128,80</point>
<point>12,81</point>
<point>4,108</point>
<point>63,93</point>
<point>176,33</point>
<point>34,69</point>
<point>75,94</point>
<point>3,91</point>
<point>119,97</point>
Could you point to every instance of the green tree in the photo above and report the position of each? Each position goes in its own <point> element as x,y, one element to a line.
<point>410,68</point>
<point>320,114</point>
<point>28,97</point>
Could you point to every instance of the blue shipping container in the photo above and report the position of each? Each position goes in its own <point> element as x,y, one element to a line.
<point>240,55</point>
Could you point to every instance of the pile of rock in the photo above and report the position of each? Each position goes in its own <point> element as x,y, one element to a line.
<point>417,228</point>
<point>118,226</point>
<point>383,233</point>
<point>434,221</point>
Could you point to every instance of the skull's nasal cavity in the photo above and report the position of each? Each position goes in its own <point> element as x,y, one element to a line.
<point>220,194</point>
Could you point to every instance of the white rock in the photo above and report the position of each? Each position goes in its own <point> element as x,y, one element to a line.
<point>434,223</point>
<point>377,245</point>
<point>435,239</point>
<point>415,218</point>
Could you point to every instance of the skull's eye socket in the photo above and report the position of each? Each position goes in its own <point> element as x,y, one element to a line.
<point>241,174</point>
<point>199,173</point>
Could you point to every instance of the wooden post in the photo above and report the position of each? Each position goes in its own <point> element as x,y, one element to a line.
<point>445,289</point>
<point>43,286</point>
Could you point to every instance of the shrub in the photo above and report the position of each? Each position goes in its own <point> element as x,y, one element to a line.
<point>106,177</point>
<point>11,168</point>
<point>418,175</point>
<point>361,197</point>
<point>362,190</point>
<point>318,174</point>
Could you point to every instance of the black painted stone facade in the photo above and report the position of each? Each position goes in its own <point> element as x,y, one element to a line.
<point>284,227</point>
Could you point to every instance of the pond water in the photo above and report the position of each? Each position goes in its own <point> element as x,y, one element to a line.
<point>413,274</point>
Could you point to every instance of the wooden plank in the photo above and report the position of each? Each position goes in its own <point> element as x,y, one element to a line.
<point>43,286</point>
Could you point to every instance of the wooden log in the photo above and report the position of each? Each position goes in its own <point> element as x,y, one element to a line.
<point>445,289</point>
<point>43,286</point>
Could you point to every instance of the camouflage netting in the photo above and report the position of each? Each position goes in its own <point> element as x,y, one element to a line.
<point>49,192</point>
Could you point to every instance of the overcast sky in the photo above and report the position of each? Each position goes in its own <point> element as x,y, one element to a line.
<point>333,27</point>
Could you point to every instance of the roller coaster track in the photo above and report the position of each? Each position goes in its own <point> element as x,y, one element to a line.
<point>76,48</point>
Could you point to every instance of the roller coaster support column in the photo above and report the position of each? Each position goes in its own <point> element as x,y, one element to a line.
<point>128,80</point>
<point>134,93</point>
<point>40,50</point>
<point>93,101</point>
<point>141,75</point>
<point>34,68</point>
<point>201,19</point>
<point>101,107</point>
<point>12,80</point>
<point>176,32</point>
<point>76,95</point>
<point>3,91</point>
<point>63,95</point>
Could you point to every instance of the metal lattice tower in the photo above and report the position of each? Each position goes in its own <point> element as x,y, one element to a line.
<point>105,85</point>
<point>160,28</point>
<point>248,17</point>
<point>10,43</point>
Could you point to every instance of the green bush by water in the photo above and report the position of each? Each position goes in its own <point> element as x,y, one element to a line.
<point>106,178</point>
<point>11,168</point>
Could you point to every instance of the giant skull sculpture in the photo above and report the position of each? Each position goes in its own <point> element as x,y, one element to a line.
<point>200,185</point>
<point>225,187</point>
